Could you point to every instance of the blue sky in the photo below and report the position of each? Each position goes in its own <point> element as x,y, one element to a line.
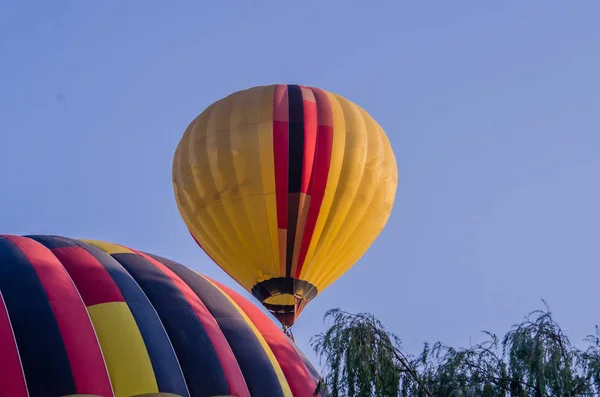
<point>492,109</point>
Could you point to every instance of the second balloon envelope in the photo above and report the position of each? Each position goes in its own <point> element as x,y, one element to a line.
<point>285,187</point>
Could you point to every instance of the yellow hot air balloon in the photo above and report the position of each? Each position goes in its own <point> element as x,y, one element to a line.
<point>285,187</point>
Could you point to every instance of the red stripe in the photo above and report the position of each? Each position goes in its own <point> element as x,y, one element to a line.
<point>87,363</point>
<point>320,172</point>
<point>12,380</point>
<point>310,137</point>
<point>231,368</point>
<point>92,280</point>
<point>296,373</point>
<point>280,152</point>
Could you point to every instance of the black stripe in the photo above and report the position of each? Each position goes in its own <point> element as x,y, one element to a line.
<point>41,347</point>
<point>296,138</point>
<point>295,160</point>
<point>258,371</point>
<point>200,364</point>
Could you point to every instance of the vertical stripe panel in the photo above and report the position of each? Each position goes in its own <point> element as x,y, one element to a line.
<point>308,157</point>
<point>296,139</point>
<point>12,380</point>
<point>124,349</point>
<point>245,192</point>
<point>267,161</point>
<point>295,166</point>
<point>310,125</point>
<point>231,369</point>
<point>195,189</point>
<point>41,348</point>
<point>80,341</point>
<point>320,171</point>
<point>219,177</point>
<point>91,278</point>
<point>230,137</point>
<point>297,375</point>
<point>280,151</point>
<point>280,158</point>
<point>254,362</point>
<point>164,363</point>
<point>200,364</point>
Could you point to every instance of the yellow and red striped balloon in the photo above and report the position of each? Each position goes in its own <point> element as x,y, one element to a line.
<point>285,187</point>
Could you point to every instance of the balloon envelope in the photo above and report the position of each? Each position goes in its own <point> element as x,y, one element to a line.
<point>93,318</point>
<point>285,187</point>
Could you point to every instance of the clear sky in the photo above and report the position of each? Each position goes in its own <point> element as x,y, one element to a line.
<point>492,107</point>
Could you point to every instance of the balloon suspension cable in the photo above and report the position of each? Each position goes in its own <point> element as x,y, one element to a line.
<point>288,332</point>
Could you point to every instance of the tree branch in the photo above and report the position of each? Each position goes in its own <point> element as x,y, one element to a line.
<point>404,362</point>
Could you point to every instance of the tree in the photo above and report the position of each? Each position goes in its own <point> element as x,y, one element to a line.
<point>534,359</point>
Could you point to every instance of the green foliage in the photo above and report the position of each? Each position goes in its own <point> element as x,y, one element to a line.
<point>360,359</point>
<point>534,359</point>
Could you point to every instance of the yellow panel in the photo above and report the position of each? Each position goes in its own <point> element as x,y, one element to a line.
<point>361,203</point>
<point>189,192</point>
<point>195,194</point>
<point>282,380</point>
<point>267,161</point>
<point>108,247</point>
<point>205,150</point>
<point>228,200</point>
<point>377,214</point>
<point>353,167</point>
<point>247,207</point>
<point>124,351</point>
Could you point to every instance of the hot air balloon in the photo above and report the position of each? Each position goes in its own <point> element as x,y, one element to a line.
<point>285,187</point>
<point>89,318</point>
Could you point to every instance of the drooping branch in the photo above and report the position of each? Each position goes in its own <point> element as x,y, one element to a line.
<point>535,358</point>
<point>362,357</point>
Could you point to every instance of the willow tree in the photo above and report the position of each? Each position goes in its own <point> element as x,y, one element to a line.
<point>533,359</point>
